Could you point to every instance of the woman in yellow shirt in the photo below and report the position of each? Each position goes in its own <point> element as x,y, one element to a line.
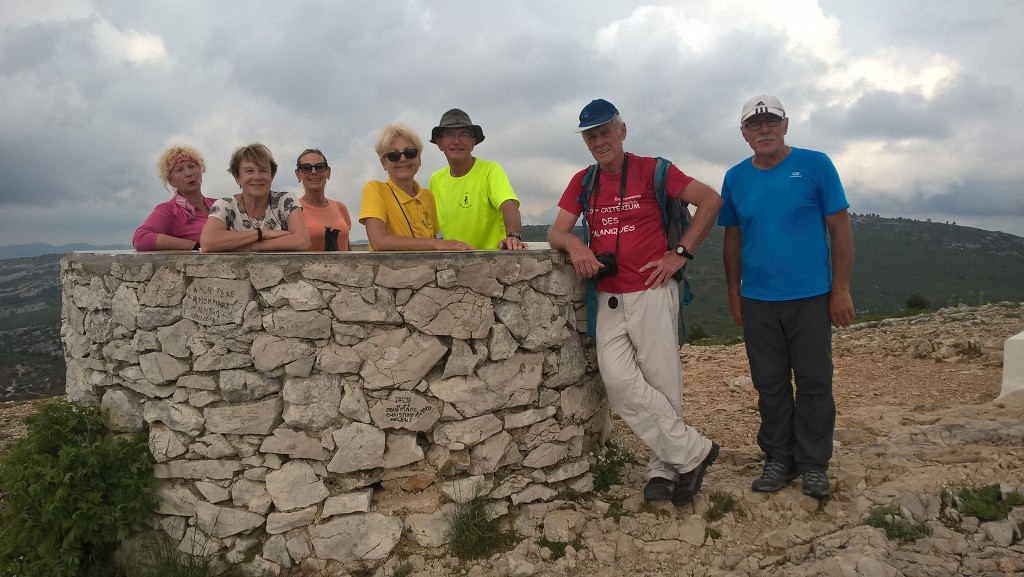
<point>399,214</point>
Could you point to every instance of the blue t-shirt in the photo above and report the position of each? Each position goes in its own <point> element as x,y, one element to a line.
<point>781,215</point>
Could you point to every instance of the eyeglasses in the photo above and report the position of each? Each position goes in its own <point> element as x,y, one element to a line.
<point>395,156</point>
<point>755,124</point>
<point>452,134</point>
<point>306,168</point>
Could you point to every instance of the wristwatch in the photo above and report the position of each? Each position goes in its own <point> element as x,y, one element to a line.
<point>514,234</point>
<point>681,251</point>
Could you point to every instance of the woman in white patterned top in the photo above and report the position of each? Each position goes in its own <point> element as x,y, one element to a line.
<point>256,219</point>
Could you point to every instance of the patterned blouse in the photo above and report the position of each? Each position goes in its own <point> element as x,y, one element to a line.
<point>234,216</point>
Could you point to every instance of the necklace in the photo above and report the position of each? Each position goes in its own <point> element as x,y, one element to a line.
<point>257,222</point>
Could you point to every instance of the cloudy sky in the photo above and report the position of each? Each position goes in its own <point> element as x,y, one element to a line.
<point>920,104</point>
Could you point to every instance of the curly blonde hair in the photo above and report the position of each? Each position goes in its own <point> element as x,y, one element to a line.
<point>168,157</point>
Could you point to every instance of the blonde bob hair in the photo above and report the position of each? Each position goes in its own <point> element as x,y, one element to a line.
<point>392,131</point>
<point>174,155</point>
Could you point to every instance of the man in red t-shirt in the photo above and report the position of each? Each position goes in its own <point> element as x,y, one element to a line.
<point>637,299</point>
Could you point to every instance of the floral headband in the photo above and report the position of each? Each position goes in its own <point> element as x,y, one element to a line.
<point>181,158</point>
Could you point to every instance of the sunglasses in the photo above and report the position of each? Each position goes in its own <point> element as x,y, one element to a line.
<point>306,168</point>
<point>395,156</point>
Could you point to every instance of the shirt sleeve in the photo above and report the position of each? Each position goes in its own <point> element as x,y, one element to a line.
<point>570,200</point>
<point>373,205</point>
<point>499,187</point>
<point>158,222</point>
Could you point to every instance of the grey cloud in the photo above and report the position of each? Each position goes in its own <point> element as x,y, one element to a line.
<point>81,145</point>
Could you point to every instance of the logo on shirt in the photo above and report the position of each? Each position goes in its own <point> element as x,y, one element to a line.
<point>796,174</point>
<point>465,201</point>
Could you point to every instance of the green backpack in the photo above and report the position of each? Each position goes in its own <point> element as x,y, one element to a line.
<point>675,218</point>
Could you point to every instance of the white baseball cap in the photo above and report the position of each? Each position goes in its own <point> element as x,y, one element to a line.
<point>762,104</point>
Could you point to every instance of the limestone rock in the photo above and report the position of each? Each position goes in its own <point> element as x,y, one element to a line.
<point>295,485</point>
<point>366,536</point>
<point>401,360</point>
<point>360,447</point>
<point>311,403</point>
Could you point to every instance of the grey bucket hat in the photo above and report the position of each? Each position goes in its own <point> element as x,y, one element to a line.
<point>456,118</point>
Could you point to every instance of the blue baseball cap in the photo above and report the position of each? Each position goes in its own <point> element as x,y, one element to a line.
<point>596,113</point>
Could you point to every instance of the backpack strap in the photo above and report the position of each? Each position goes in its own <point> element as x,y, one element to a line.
<point>660,176</point>
<point>685,295</point>
<point>585,197</point>
<point>590,286</point>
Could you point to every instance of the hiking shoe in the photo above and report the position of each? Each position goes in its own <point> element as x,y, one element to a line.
<point>689,483</point>
<point>816,484</point>
<point>659,489</point>
<point>775,476</point>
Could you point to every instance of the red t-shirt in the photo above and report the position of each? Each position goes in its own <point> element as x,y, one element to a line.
<point>637,224</point>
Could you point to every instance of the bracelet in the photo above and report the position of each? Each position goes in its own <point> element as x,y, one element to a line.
<point>514,234</point>
<point>259,234</point>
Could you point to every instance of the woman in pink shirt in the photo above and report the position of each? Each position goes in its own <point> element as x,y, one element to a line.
<point>177,223</point>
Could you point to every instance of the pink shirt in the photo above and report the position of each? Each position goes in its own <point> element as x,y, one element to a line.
<point>169,218</point>
<point>633,221</point>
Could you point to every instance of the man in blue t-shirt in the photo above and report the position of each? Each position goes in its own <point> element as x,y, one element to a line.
<point>788,253</point>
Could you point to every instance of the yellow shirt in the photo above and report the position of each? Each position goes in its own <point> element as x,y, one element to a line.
<point>404,215</point>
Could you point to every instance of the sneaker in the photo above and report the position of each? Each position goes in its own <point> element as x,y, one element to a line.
<point>775,476</point>
<point>816,484</point>
<point>659,489</point>
<point>689,483</point>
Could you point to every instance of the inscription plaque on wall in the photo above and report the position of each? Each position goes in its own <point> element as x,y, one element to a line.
<point>211,301</point>
<point>405,411</point>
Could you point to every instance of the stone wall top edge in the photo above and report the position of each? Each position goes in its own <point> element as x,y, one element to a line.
<point>98,259</point>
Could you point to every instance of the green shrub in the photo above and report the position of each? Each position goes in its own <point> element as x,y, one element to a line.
<point>918,302</point>
<point>721,503</point>
<point>557,548</point>
<point>473,534</point>
<point>616,510</point>
<point>72,491</point>
<point>608,469</point>
<point>896,528</point>
<point>987,503</point>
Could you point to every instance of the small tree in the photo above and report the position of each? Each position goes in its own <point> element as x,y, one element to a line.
<point>918,302</point>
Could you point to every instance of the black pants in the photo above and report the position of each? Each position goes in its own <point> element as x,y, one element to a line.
<point>787,342</point>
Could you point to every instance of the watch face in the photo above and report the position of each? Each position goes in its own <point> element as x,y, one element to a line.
<point>680,250</point>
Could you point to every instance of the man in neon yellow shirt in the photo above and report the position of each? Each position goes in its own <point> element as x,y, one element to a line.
<point>475,200</point>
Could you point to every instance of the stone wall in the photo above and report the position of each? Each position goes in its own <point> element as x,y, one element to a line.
<point>327,406</point>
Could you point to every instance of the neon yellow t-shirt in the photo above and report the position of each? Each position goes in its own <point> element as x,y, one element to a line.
<point>468,207</point>
<point>404,215</point>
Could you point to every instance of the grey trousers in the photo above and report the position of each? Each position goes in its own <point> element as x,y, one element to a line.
<point>790,342</point>
<point>638,354</point>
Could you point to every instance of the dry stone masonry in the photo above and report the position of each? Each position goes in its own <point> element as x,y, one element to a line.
<point>326,407</point>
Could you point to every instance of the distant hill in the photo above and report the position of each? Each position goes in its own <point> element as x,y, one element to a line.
<point>894,258</point>
<point>39,248</point>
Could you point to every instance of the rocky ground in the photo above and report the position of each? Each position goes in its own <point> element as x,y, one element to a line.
<point>916,415</point>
